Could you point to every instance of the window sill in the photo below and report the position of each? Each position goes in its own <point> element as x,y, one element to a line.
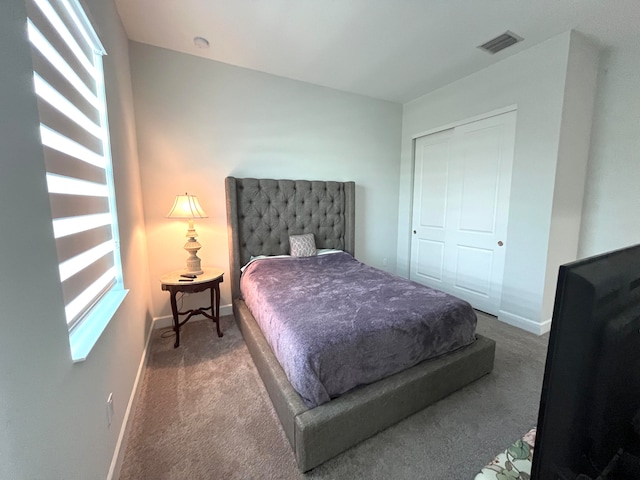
<point>85,335</point>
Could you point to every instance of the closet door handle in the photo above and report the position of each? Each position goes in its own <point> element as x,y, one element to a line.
<point>500,243</point>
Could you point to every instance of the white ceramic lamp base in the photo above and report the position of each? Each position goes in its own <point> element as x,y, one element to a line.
<point>193,262</point>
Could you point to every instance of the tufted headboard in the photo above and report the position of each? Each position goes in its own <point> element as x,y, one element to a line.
<point>262,213</point>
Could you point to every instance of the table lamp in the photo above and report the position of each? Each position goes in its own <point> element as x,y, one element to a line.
<point>187,206</point>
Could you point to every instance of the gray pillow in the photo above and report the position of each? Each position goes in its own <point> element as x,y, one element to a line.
<point>302,245</point>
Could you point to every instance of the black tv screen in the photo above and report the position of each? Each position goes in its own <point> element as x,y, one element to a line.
<point>589,417</point>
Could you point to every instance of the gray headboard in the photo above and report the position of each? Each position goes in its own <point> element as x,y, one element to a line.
<point>262,213</point>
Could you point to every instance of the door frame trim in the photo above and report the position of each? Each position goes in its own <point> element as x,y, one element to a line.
<point>448,126</point>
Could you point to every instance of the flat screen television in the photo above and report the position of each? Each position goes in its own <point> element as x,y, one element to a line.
<point>589,417</point>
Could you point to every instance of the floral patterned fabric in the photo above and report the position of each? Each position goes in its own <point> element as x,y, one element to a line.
<point>514,463</point>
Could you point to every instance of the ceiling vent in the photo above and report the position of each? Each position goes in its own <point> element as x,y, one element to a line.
<point>500,42</point>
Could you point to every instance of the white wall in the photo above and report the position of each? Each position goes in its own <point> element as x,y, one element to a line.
<point>611,216</point>
<point>53,412</point>
<point>534,80</point>
<point>571,169</point>
<point>199,121</point>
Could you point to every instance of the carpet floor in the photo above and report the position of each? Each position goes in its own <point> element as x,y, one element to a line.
<point>203,413</point>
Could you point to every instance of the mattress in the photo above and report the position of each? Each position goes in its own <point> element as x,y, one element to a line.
<point>335,324</point>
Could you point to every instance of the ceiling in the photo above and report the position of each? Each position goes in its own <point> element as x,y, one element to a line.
<point>394,50</point>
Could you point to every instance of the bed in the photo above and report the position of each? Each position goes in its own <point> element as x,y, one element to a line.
<point>262,214</point>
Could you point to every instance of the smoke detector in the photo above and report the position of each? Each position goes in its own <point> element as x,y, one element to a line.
<point>201,42</point>
<point>500,42</point>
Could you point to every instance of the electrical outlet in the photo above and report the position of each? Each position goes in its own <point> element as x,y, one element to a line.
<point>109,409</point>
<point>384,262</point>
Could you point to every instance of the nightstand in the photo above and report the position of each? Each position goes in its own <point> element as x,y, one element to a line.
<point>210,279</point>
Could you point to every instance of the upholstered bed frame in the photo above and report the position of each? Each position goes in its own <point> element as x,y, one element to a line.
<point>261,214</point>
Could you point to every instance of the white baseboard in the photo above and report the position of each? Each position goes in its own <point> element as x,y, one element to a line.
<point>167,320</point>
<point>524,323</point>
<point>121,445</point>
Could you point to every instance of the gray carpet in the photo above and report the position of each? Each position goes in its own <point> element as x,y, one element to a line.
<point>204,414</point>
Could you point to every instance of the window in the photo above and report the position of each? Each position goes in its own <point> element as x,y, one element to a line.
<point>69,84</point>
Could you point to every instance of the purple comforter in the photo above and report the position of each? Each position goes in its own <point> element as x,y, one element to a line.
<point>334,323</point>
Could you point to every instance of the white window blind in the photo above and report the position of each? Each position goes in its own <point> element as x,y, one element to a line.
<point>69,83</point>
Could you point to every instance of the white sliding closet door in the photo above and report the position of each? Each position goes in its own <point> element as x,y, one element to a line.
<point>462,182</point>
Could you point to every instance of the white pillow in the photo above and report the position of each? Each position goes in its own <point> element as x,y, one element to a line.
<point>302,245</point>
<point>327,251</point>
<point>262,257</point>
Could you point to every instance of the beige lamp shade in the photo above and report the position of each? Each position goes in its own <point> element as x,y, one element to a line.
<point>186,206</point>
